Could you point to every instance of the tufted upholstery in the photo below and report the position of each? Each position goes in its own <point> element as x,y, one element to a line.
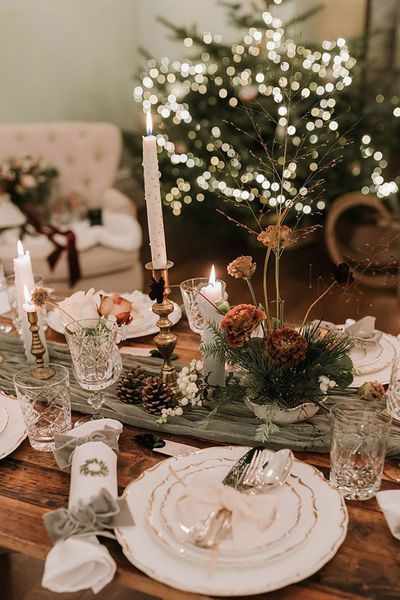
<point>87,156</point>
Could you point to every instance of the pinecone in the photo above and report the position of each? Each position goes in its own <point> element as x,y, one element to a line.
<point>130,385</point>
<point>156,395</point>
<point>286,347</point>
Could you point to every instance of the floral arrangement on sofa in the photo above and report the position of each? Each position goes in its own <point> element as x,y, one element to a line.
<point>28,182</point>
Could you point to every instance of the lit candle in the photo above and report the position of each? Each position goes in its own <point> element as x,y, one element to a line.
<point>153,198</point>
<point>213,292</point>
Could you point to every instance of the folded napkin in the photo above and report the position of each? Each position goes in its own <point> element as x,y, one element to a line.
<point>363,329</point>
<point>250,514</point>
<point>389,502</point>
<point>78,561</point>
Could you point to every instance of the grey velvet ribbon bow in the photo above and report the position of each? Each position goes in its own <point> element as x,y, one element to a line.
<point>97,517</point>
<point>65,444</point>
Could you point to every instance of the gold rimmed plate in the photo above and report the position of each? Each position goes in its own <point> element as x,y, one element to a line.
<point>294,518</point>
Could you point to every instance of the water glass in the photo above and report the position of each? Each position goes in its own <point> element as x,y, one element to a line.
<point>95,357</point>
<point>359,436</point>
<point>193,301</point>
<point>45,405</point>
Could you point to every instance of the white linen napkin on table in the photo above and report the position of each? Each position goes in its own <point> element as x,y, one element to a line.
<point>81,562</point>
<point>389,502</point>
<point>250,513</point>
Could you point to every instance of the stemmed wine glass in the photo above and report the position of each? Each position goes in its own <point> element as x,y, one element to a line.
<point>95,358</point>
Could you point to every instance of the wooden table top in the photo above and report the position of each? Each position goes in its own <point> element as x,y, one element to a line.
<point>367,564</point>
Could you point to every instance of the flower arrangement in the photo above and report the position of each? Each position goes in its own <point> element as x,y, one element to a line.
<point>281,367</point>
<point>27,181</point>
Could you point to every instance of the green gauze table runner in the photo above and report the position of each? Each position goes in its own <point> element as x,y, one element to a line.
<point>233,424</point>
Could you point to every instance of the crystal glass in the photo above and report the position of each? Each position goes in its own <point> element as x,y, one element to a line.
<point>95,357</point>
<point>192,301</point>
<point>13,301</point>
<point>45,404</point>
<point>359,436</point>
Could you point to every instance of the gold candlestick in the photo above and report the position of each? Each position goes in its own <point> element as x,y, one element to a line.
<point>37,349</point>
<point>165,340</point>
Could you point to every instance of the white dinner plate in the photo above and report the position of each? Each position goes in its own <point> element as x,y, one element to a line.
<point>375,362</point>
<point>144,321</point>
<point>148,553</point>
<point>14,432</point>
<point>294,519</point>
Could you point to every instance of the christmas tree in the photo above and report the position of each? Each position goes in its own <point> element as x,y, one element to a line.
<point>260,122</point>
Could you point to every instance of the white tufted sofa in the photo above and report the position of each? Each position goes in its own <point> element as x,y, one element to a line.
<point>87,157</point>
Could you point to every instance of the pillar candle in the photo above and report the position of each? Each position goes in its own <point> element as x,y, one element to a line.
<point>153,198</point>
<point>213,292</point>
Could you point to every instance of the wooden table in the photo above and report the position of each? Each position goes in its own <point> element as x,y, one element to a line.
<point>367,565</point>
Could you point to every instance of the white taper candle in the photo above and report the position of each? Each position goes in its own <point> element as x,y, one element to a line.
<point>153,198</point>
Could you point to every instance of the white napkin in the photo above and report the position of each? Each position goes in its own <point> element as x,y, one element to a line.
<point>250,513</point>
<point>363,329</point>
<point>81,562</point>
<point>389,502</point>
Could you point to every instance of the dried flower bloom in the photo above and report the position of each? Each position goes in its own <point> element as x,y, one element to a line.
<point>116,306</point>
<point>286,347</point>
<point>239,323</point>
<point>372,391</point>
<point>40,296</point>
<point>275,237</point>
<point>242,267</point>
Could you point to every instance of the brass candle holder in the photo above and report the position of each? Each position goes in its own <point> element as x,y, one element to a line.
<point>37,349</point>
<point>165,340</point>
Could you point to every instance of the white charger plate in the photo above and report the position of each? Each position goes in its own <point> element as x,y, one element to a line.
<point>14,432</point>
<point>375,363</point>
<point>293,521</point>
<point>147,553</point>
<point>144,323</point>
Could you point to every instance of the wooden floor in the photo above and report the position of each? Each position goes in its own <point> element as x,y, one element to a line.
<point>14,586</point>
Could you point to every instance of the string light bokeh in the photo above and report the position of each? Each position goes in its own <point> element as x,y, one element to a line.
<point>255,120</point>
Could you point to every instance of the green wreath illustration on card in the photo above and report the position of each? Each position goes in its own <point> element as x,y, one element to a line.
<point>94,467</point>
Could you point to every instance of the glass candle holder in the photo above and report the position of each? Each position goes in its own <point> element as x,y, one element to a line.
<point>45,405</point>
<point>194,302</point>
<point>359,436</point>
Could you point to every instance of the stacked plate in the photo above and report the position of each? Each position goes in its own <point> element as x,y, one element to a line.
<point>12,426</point>
<point>144,321</point>
<point>307,527</point>
<point>373,361</point>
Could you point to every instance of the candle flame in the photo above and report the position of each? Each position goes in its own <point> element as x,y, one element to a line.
<point>27,294</point>
<point>212,276</point>
<point>149,123</point>
<point>20,248</point>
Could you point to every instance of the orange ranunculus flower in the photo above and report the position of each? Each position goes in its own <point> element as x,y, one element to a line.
<point>116,306</point>
<point>239,322</point>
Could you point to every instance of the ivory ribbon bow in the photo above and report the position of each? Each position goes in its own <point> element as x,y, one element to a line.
<point>65,444</point>
<point>103,512</point>
<point>250,514</point>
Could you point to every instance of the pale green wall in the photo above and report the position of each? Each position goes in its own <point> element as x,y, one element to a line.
<point>74,59</point>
